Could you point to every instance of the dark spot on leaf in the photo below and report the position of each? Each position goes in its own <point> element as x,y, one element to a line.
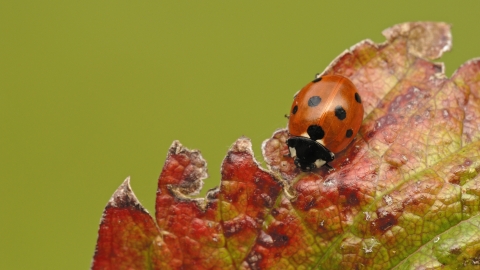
<point>476,259</point>
<point>315,132</point>
<point>343,173</point>
<point>265,192</point>
<point>260,216</point>
<point>295,109</point>
<point>454,178</point>
<point>410,202</point>
<point>275,212</point>
<point>279,240</point>
<point>238,225</point>
<point>231,228</point>
<point>232,197</point>
<point>266,200</point>
<point>462,171</point>
<point>314,101</point>
<point>275,235</point>
<point>383,223</point>
<point>358,98</point>
<point>351,195</point>
<point>456,250</point>
<point>370,134</point>
<point>309,203</point>
<point>349,133</point>
<point>340,113</point>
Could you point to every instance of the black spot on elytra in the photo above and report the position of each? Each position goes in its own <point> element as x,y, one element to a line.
<point>317,79</point>
<point>349,133</point>
<point>340,113</point>
<point>384,223</point>
<point>314,101</point>
<point>358,98</point>
<point>315,132</point>
<point>295,109</point>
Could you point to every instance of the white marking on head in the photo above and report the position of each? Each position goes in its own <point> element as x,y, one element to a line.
<point>293,152</point>
<point>305,134</point>
<point>320,142</point>
<point>319,163</point>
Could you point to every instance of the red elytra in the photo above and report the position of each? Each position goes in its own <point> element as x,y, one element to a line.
<point>324,119</point>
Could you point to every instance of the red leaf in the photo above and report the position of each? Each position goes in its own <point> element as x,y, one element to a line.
<point>128,237</point>
<point>405,194</point>
<point>227,222</point>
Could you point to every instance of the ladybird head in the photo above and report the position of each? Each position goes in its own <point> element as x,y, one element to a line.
<point>308,154</point>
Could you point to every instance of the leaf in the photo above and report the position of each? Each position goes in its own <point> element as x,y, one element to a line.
<point>128,237</point>
<point>404,195</point>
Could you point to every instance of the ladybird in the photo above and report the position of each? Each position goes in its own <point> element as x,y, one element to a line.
<point>324,119</point>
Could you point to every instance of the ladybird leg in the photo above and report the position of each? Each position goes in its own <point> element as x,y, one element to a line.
<point>328,166</point>
<point>317,78</point>
<point>287,116</point>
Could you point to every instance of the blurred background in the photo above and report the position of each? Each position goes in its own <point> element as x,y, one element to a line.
<point>92,92</point>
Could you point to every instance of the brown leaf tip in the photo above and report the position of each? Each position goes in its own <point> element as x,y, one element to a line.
<point>243,144</point>
<point>425,39</point>
<point>176,148</point>
<point>124,197</point>
<point>194,168</point>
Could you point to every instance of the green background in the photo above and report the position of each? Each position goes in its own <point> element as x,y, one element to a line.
<point>94,91</point>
